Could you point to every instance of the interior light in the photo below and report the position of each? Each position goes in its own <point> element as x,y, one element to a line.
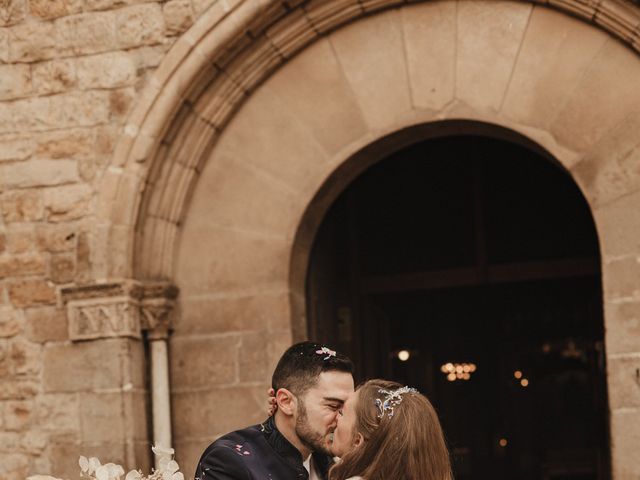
<point>517,374</point>
<point>458,371</point>
<point>503,442</point>
<point>403,355</point>
<point>524,382</point>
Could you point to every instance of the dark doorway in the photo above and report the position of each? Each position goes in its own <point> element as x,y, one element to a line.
<point>478,260</point>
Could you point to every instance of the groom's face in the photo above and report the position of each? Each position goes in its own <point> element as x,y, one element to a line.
<point>318,409</point>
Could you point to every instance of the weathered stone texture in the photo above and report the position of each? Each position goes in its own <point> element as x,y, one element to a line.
<point>178,16</point>
<point>25,293</point>
<point>15,81</point>
<point>46,9</point>
<point>108,70</point>
<point>140,25</point>
<point>54,76</point>
<point>46,324</point>
<point>12,11</point>
<point>22,206</point>
<point>21,265</point>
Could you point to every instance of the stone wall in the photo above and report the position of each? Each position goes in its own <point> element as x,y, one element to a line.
<point>82,81</point>
<point>70,71</point>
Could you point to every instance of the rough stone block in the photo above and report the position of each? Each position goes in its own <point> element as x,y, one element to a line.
<point>20,238</point>
<point>120,101</point>
<point>254,137</point>
<point>611,79</point>
<point>68,202</point>
<point>625,438</point>
<point>140,25</point>
<point>10,322</point>
<point>86,33</point>
<point>63,451</point>
<point>38,173</point>
<point>489,37</point>
<point>620,277</point>
<point>622,382</point>
<point>16,147</point>
<point>12,12</point>
<point>62,268</point>
<point>430,42</point>
<point>269,209</point>
<point>33,442</point>
<point>107,70</point>
<point>46,324</point>
<point>54,76</point>
<point>250,260</point>
<point>202,416</point>
<point>75,143</point>
<point>28,293</point>
<point>555,52</point>
<point>47,9</point>
<point>56,238</point>
<point>32,41</point>
<point>80,362</point>
<point>22,206</point>
<point>102,417</point>
<point>233,313</point>
<point>372,55</point>
<point>254,364</point>
<point>15,81</point>
<point>178,16</point>
<point>26,357</point>
<point>18,414</point>
<point>4,45</point>
<point>335,119</point>
<point>216,358</point>
<point>618,225</point>
<point>611,168</point>
<point>622,326</point>
<point>14,466</point>
<point>17,388</point>
<point>21,265</point>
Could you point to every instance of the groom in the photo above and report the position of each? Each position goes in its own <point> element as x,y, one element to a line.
<point>311,383</point>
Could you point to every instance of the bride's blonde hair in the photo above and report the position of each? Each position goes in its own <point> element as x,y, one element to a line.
<point>408,445</point>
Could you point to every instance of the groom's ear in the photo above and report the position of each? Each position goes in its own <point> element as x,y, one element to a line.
<point>286,401</point>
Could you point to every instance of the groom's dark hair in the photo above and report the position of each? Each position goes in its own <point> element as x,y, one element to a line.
<point>301,365</point>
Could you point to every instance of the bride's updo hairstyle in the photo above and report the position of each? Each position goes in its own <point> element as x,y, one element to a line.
<point>402,439</point>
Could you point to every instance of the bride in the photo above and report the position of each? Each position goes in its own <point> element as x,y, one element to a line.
<point>389,432</point>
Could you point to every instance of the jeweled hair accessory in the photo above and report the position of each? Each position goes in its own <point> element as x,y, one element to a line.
<point>326,351</point>
<point>392,398</point>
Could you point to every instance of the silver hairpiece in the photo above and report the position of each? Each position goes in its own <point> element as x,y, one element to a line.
<point>392,398</point>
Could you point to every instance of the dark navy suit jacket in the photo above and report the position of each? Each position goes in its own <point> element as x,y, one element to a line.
<point>259,452</point>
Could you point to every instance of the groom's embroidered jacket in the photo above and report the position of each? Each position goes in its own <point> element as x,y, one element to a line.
<point>259,452</point>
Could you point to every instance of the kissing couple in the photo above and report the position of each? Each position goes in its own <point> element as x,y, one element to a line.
<point>324,430</point>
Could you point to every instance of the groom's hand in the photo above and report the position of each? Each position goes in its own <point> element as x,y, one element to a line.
<point>272,405</point>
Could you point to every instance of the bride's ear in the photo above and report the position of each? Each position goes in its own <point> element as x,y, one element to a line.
<point>358,441</point>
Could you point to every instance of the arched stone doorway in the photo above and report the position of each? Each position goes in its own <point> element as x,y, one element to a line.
<point>218,165</point>
<point>479,254</point>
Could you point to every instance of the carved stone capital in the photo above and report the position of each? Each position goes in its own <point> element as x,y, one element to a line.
<point>119,309</point>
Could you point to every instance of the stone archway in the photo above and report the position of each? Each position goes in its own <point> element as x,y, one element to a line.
<point>565,85</point>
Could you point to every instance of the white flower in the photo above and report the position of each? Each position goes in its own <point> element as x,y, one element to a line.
<point>162,452</point>
<point>84,464</point>
<point>134,475</point>
<point>109,471</point>
<point>94,464</point>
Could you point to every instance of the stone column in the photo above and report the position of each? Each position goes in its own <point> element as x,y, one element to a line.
<point>106,365</point>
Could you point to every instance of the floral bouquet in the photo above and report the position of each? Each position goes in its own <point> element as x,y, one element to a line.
<point>91,468</point>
